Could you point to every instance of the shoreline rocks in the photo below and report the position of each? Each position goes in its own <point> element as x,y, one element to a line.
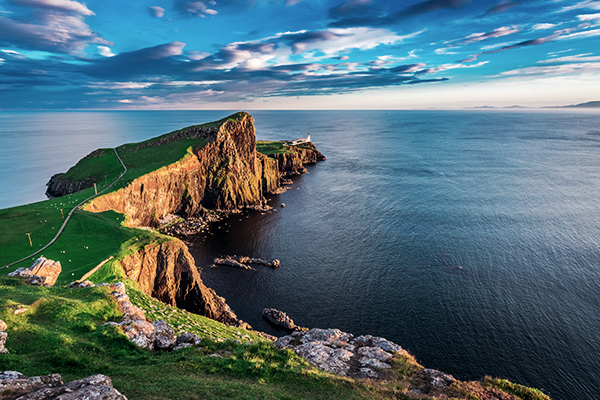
<point>341,353</point>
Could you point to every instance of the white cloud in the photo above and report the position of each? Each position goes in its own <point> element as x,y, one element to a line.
<point>198,55</point>
<point>126,101</point>
<point>537,27</point>
<point>57,5</point>
<point>502,31</point>
<point>584,34</point>
<point>156,11</point>
<point>11,52</point>
<point>589,17</point>
<point>105,51</point>
<point>289,3</point>
<point>571,59</point>
<point>444,50</point>
<point>593,4</point>
<point>553,70</point>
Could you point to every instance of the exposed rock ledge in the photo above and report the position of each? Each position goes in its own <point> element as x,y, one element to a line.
<point>341,353</point>
<point>16,386</point>
<point>243,262</point>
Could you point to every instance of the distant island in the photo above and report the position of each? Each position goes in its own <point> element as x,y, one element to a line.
<point>137,309</point>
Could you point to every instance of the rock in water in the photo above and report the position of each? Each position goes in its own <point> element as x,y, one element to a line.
<point>42,272</point>
<point>278,318</point>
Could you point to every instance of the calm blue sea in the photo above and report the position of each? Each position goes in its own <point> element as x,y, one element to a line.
<point>471,238</point>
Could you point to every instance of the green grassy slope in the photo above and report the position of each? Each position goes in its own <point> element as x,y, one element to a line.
<point>62,332</point>
<point>88,238</point>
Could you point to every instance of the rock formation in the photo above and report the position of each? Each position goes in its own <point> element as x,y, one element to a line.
<point>14,385</point>
<point>3,337</point>
<point>243,262</point>
<point>280,318</point>
<point>341,353</point>
<point>168,272</point>
<point>42,272</point>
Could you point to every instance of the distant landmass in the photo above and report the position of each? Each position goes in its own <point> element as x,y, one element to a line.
<point>589,104</point>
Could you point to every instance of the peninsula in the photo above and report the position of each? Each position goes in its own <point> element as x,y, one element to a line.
<point>128,300</point>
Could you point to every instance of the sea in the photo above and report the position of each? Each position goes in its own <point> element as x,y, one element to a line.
<point>471,238</point>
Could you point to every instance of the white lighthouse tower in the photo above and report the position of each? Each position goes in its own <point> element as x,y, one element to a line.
<point>308,137</point>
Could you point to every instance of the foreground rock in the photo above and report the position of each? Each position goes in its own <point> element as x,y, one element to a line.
<point>42,272</point>
<point>341,353</point>
<point>14,385</point>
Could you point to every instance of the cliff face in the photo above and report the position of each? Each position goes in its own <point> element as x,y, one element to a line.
<point>167,272</point>
<point>225,174</point>
<point>293,164</point>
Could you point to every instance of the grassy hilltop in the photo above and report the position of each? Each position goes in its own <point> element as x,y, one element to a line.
<point>62,330</point>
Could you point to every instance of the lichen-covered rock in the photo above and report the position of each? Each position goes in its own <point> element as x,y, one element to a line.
<point>141,333</point>
<point>14,385</point>
<point>42,272</point>
<point>165,335</point>
<point>3,326</point>
<point>188,338</point>
<point>341,353</point>
<point>3,337</point>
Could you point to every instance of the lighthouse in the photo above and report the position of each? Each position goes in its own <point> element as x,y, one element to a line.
<point>308,137</point>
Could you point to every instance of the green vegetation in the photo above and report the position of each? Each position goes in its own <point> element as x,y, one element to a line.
<point>267,148</point>
<point>88,238</point>
<point>523,392</point>
<point>62,332</point>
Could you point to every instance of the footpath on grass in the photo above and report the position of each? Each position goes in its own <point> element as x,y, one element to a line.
<point>71,213</point>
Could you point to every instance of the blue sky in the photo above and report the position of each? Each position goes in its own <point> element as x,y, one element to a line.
<point>297,54</point>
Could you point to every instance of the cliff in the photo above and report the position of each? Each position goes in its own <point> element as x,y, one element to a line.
<point>167,272</point>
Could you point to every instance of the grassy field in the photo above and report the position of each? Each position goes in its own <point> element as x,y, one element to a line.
<point>267,148</point>
<point>88,238</point>
<point>62,332</point>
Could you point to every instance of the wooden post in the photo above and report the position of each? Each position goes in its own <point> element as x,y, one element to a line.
<point>95,189</point>
<point>29,236</point>
<point>61,213</point>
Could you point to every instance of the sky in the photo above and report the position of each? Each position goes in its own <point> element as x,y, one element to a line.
<point>297,54</point>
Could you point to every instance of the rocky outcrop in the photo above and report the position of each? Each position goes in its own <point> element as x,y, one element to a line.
<point>290,164</point>
<point>14,385</point>
<point>224,175</point>
<point>279,318</point>
<point>341,353</point>
<point>42,272</point>
<point>244,262</point>
<point>167,272</point>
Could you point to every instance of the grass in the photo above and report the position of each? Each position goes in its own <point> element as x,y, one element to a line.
<point>62,332</point>
<point>267,148</point>
<point>88,238</point>
<point>523,392</point>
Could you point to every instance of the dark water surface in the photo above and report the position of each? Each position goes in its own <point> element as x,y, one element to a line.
<point>472,239</point>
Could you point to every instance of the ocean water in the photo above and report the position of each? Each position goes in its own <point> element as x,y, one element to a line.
<point>470,238</point>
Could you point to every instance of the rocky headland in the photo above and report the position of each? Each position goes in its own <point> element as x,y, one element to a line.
<point>225,175</point>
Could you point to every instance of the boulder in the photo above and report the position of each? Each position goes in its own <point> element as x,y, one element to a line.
<point>3,326</point>
<point>3,337</point>
<point>164,335</point>
<point>14,385</point>
<point>141,333</point>
<point>42,272</point>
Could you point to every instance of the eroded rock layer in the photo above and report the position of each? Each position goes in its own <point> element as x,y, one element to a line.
<point>167,272</point>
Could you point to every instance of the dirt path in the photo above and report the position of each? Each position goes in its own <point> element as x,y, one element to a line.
<point>71,213</point>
